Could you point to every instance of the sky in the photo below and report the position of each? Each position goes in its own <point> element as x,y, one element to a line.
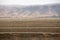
<point>28,2</point>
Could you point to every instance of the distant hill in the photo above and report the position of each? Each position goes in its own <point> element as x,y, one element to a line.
<point>32,11</point>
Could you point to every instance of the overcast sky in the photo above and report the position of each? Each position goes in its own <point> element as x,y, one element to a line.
<point>27,2</point>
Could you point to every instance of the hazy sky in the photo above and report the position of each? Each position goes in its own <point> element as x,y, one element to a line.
<point>27,2</point>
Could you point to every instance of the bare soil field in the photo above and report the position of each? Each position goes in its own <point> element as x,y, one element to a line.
<point>37,29</point>
<point>47,22</point>
<point>51,25</point>
<point>29,37</point>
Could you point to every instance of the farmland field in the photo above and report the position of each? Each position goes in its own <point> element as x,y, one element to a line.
<point>31,29</point>
<point>30,25</point>
<point>42,22</point>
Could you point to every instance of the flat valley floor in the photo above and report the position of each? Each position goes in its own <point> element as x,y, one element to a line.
<point>42,22</point>
<point>36,29</point>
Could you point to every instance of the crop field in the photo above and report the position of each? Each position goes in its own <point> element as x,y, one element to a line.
<point>29,37</point>
<point>30,29</point>
<point>47,22</point>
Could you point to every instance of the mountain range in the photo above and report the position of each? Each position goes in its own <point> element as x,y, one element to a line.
<point>32,11</point>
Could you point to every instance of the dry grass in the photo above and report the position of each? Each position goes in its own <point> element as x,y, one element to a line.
<point>28,37</point>
<point>30,23</point>
<point>11,23</point>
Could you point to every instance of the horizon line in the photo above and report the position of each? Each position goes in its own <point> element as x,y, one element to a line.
<point>29,5</point>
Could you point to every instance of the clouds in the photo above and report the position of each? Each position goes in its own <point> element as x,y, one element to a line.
<point>27,2</point>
